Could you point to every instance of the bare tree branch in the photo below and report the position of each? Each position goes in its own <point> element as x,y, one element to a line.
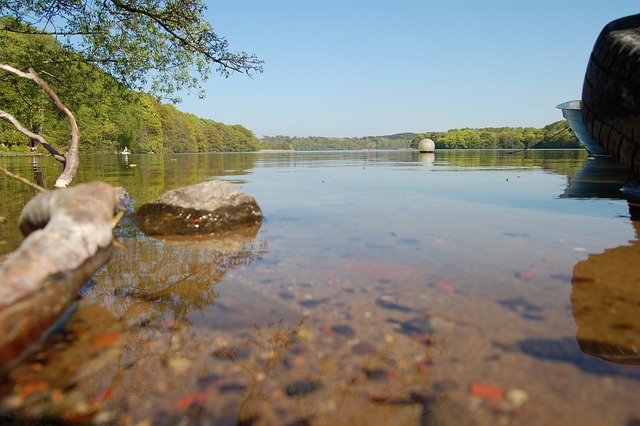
<point>73,155</point>
<point>72,158</point>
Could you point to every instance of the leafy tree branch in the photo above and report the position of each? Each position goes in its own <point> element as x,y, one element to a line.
<point>149,46</point>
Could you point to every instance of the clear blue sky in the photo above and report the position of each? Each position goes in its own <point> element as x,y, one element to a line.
<point>369,67</point>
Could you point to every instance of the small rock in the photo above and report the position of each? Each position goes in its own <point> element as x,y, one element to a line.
<point>312,303</point>
<point>363,349</point>
<point>385,303</point>
<point>285,295</point>
<point>375,374</point>
<point>343,330</point>
<point>302,387</point>
<point>179,364</point>
<point>517,397</point>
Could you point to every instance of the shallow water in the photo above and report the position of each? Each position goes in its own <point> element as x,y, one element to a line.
<point>469,287</point>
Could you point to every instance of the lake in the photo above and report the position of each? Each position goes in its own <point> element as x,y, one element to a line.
<point>383,287</point>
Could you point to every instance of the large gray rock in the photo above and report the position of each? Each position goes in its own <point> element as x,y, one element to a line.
<point>209,207</point>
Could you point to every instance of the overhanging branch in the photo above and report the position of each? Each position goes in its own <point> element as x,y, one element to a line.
<point>162,22</point>
<point>71,159</point>
<point>50,33</point>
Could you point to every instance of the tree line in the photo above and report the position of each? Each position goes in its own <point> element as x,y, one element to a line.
<point>110,116</point>
<point>318,143</point>
<point>554,135</point>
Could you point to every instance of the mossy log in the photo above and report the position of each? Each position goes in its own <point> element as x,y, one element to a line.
<point>68,237</point>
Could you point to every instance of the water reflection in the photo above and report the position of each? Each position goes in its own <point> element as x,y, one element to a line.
<point>39,172</point>
<point>605,294</point>
<point>135,351</point>
<point>606,301</point>
<point>427,158</point>
<point>344,317</point>
<point>133,334</point>
<point>598,177</point>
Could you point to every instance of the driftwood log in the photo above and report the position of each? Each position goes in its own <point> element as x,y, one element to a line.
<point>68,237</point>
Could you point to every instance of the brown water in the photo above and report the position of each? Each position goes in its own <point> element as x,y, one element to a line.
<point>476,287</point>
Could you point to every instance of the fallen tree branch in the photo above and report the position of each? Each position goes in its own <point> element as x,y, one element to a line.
<point>68,237</point>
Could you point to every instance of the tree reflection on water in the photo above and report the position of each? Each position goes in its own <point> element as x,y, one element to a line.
<point>132,354</point>
<point>132,324</point>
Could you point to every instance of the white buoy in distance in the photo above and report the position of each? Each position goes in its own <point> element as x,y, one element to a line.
<point>426,145</point>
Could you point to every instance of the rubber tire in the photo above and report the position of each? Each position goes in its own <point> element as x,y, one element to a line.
<point>611,91</point>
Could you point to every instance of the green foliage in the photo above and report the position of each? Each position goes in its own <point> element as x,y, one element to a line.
<point>109,115</point>
<point>315,143</point>
<point>145,45</point>
<point>552,136</point>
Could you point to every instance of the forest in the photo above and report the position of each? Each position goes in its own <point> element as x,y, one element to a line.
<point>110,116</point>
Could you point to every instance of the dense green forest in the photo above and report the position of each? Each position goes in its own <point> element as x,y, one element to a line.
<point>110,117</point>
<point>551,136</point>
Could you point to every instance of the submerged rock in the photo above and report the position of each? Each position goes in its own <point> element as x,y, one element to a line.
<point>209,207</point>
<point>302,387</point>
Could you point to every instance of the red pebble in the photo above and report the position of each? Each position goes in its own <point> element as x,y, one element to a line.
<point>486,391</point>
<point>526,275</point>
<point>189,401</point>
<point>443,285</point>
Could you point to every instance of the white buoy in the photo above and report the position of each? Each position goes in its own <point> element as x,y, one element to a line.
<point>426,145</point>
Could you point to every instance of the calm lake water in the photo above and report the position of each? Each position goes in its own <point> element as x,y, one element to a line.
<point>469,287</point>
